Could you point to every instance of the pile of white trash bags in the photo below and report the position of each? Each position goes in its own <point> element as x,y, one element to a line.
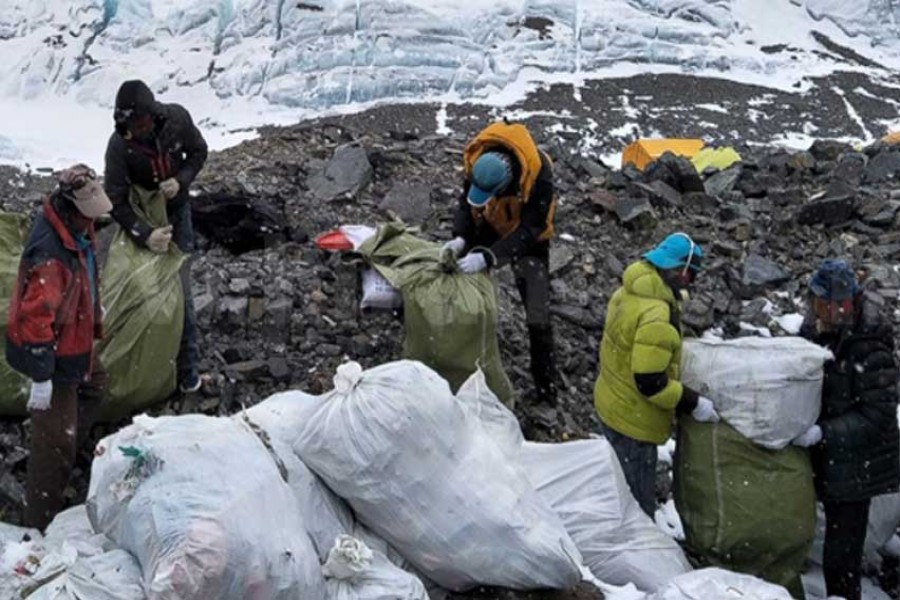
<point>388,487</point>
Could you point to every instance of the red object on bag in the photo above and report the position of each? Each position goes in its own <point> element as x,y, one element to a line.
<point>333,240</point>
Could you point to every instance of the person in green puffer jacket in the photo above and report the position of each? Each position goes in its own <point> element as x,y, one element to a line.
<point>638,388</point>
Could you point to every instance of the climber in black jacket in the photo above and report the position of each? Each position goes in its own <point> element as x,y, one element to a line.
<point>856,443</point>
<point>157,146</point>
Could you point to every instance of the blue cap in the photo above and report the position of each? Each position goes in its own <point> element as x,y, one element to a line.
<point>674,252</point>
<point>834,280</point>
<point>491,173</point>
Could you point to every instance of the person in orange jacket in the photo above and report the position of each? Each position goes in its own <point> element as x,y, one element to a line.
<point>505,216</point>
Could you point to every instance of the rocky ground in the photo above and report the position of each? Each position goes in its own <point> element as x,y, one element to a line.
<point>276,313</point>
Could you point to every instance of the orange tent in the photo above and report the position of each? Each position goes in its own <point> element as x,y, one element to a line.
<point>892,138</point>
<point>643,152</point>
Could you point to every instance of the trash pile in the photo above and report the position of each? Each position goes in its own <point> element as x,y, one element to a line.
<point>389,486</point>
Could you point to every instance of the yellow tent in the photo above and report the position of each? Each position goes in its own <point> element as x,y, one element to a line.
<point>643,152</point>
<point>892,138</point>
<point>720,158</point>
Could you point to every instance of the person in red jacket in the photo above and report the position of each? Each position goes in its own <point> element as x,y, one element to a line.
<point>54,318</point>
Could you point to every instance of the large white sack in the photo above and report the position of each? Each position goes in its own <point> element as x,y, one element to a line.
<point>719,584</point>
<point>203,506</point>
<point>328,518</point>
<point>583,482</point>
<point>421,473</point>
<point>769,389</point>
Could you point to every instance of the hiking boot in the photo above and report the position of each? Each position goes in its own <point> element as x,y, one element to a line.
<point>191,385</point>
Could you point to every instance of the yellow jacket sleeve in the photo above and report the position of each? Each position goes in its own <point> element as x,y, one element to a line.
<point>656,342</point>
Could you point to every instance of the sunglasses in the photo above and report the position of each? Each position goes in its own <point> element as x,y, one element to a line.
<point>76,178</point>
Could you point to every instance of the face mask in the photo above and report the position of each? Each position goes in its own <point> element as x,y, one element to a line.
<point>833,314</point>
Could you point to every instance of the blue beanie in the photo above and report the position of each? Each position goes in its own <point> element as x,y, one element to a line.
<point>491,173</point>
<point>834,280</point>
<point>674,252</point>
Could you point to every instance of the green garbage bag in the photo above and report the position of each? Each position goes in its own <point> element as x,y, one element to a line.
<point>144,301</point>
<point>744,507</point>
<point>13,386</point>
<point>450,317</point>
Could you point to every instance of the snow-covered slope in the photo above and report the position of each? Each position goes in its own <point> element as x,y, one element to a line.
<point>241,63</point>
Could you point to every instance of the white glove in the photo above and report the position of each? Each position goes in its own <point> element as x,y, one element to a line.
<point>705,412</point>
<point>471,263</point>
<point>810,437</point>
<point>39,398</point>
<point>169,187</point>
<point>455,245</point>
<point>159,239</point>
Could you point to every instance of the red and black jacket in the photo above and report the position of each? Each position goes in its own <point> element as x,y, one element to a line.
<point>53,320</point>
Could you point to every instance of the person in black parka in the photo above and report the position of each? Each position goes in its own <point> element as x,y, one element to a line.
<point>856,443</point>
<point>157,146</point>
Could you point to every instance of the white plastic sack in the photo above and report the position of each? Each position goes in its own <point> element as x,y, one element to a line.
<point>328,518</point>
<point>113,575</point>
<point>201,503</point>
<point>378,293</point>
<point>402,451</point>
<point>719,584</point>
<point>583,482</point>
<point>769,389</point>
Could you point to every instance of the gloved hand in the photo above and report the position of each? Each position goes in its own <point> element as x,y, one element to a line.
<point>170,187</point>
<point>810,437</point>
<point>39,398</point>
<point>705,412</point>
<point>471,263</point>
<point>455,245</point>
<point>159,239</point>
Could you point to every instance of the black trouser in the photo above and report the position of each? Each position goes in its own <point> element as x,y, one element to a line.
<point>532,276</point>
<point>845,536</point>
<point>638,460</point>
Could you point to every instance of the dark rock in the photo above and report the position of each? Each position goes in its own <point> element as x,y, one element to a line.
<point>348,172</point>
<point>750,184</point>
<point>256,308</point>
<point>409,202</point>
<point>636,212</point>
<point>330,350</point>
<point>676,171</point>
<point>577,315</point>
<point>850,167</point>
<point>883,167</point>
<point>698,314</point>
<point>829,149</point>
<point>602,200</point>
<point>279,369</point>
<point>660,193</point>
<point>560,258</point>
<point>11,490</point>
<point>233,309</point>
<point>836,206</point>
<point>249,370</point>
<point>617,181</point>
<point>760,273</point>
<point>239,286</point>
<point>801,161</point>
<point>791,196</point>
<point>723,181</point>
<point>699,203</point>
<point>278,317</point>
<point>726,248</point>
